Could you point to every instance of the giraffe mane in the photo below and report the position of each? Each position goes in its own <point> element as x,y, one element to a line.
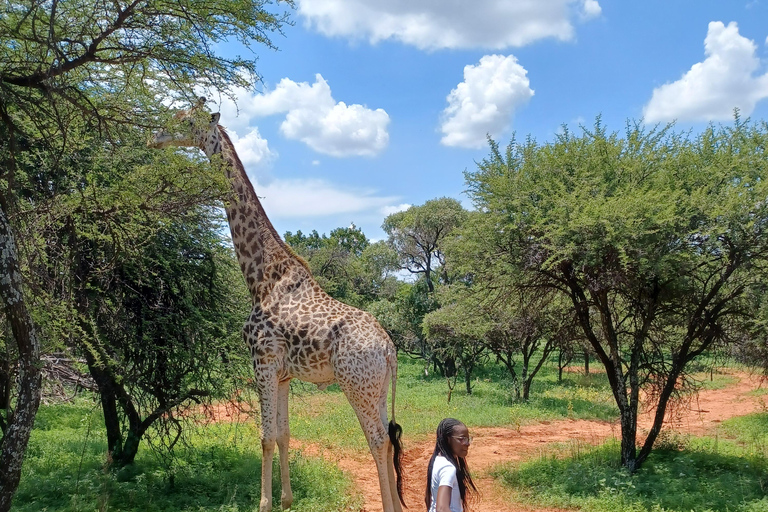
<point>240,169</point>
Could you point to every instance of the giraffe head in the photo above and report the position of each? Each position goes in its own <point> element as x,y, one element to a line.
<point>192,128</point>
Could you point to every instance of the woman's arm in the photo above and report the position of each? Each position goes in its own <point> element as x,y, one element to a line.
<point>443,499</point>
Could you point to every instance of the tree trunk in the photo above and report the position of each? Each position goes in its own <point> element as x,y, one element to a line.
<point>468,378</point>
<point>6,384</point>
<point>129,449</point>
<point>661,408</point>
<point>526,389</point>
<point>108,399</point>
<point>14,443</point>
<point>509,361</point>
<point>629,440</point>
<point>586,362</point>
<point>525,381</point>
<point>122,450</point>
<point>449,367</point>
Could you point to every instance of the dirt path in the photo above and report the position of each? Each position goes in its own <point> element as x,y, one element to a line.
<point>492,446</point>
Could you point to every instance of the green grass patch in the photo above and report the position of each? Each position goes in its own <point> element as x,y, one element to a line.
<point>714,380</point>
<point>325,417</point>
<point>707,475</point>
<point>219,470</point>
<point>750,432</point>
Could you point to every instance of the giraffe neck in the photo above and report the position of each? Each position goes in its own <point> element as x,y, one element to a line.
<point>263,256</point>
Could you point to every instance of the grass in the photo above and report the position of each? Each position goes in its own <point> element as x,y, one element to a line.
<point>219,471</point>
<point>422,400</point>
<point>220,468</point>
<point>750,432</point>
<point>725,473</point>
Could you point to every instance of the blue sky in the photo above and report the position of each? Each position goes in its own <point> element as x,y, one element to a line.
<point>370,106</point>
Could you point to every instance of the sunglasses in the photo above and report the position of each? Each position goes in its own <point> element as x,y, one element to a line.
<point>464,439</point>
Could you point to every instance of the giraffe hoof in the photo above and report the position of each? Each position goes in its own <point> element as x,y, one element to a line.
<point>286,502</point>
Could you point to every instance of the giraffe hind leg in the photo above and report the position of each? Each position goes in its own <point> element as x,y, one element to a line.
<point>390,454</point>
<point>378,442</point>
<point>369,414</point>
<point>283,441</point>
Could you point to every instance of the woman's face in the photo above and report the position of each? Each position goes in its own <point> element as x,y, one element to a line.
<point>459,440</point>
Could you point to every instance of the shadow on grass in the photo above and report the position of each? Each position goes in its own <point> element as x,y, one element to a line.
<point>592,479</point>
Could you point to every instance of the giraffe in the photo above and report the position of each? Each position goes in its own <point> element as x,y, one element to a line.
<point>296,330</point>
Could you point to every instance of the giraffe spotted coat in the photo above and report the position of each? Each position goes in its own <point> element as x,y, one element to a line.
<point>295,329</point>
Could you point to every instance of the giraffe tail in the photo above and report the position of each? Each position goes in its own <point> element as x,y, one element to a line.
<point>395,432</point>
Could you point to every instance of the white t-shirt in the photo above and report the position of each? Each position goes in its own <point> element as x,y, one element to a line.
<point>444,473</point>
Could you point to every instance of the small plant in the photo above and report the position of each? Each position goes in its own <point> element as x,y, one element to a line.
<point>669,440</point>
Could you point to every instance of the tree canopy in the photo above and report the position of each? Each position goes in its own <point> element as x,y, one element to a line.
<point>72,73</point>
<point>653,237</point>
<point>418,233</point>
<point>347,265</point>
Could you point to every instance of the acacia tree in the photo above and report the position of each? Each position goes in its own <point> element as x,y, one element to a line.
<point>653,238</point>
<point>168,323</point>
<point>531,328</point>
<point>454,335</point>
<point>418,233</point>
<point>485,318</point>
<point>133,275</point>
<point>347,265</point>
<point>74,68</point>
<point>402,315</point>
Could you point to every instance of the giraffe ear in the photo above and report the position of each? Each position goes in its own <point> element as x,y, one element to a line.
<point>215,118</point>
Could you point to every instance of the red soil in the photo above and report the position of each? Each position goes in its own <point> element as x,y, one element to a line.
<point>493,446</point>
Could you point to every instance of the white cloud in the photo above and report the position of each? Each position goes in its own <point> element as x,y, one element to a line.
<point>316,198</point>
<point>592,9</point>
<point>435,24</point>
<point>711,89</point>
<point>252,149</point>
<point>315,118</point>
<point>312,116</point>
<point>390,209</point>
<point>485,101</point>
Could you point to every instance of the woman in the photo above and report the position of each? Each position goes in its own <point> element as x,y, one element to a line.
<point>449,484</point>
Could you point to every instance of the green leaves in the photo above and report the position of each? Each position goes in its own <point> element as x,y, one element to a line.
<point>635,199</point>
<point>347,265</point>
<point>654,240</point>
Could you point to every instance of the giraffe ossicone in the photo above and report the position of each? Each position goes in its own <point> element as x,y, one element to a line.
<point>295,329</point>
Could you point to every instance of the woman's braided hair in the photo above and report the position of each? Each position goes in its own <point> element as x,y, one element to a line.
<point>442,447</point>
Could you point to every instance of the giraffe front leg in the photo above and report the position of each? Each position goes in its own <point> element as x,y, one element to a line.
<point>267,387</point>
<point>283,441</point>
